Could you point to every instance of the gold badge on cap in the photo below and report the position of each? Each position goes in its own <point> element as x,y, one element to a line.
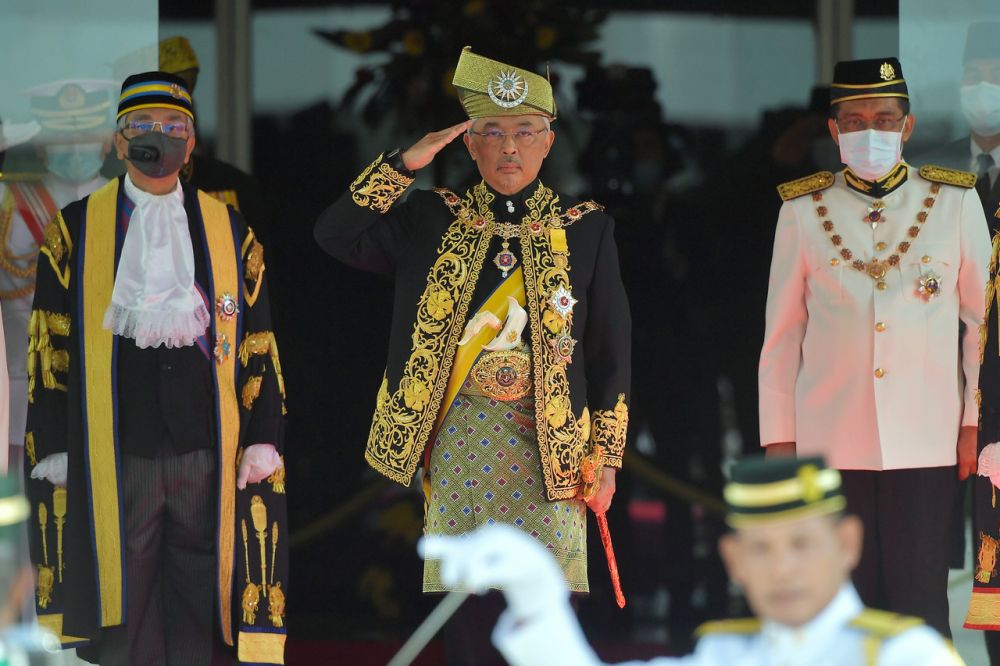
<point>71,97</point>
<point>507,89</point>
<point>887,72</point>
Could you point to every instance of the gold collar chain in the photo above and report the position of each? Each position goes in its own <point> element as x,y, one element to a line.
<point>876,268</point>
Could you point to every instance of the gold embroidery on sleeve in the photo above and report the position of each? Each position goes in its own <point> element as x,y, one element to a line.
<point>610,429</point>
<point>378,186</point>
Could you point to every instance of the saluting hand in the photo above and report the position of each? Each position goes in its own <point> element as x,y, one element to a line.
<point>422,152</point>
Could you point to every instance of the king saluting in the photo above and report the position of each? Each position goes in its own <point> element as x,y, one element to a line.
<point>508,361</point>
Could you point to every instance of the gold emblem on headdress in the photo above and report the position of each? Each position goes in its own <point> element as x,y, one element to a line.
<point>887,72</point>
<point>808,476</point>
<point>507,89</point>
<point>71,97</point>
<point>175,91</point>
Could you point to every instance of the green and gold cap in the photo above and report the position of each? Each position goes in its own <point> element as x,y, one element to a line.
<point>491,88</point>
<point>861,79</point>
<point>774,489</point>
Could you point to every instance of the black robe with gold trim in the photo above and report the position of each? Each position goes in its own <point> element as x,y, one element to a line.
<point>71,390</point>
<point>440,249</point>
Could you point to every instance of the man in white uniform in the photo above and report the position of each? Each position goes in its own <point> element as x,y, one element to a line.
<point>792,551</point>
<point>873,271</point>
<point>76,125</point>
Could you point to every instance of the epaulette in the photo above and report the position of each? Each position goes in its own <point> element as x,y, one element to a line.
<point>794,189</point>
<point>883,623</point>
<point>743,626</point>
<point>938,174</point>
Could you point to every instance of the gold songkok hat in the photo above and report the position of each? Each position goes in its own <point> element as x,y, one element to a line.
<point>491,88</point>
<point>176,55</point>
<point>767,490</point>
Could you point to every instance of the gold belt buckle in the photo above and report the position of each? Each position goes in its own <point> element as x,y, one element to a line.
<point>503,375</point>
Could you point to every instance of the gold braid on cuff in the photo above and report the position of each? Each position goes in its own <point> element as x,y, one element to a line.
<point>379,186</point>
<point>610,427</point>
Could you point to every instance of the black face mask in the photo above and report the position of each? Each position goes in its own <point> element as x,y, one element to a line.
<point>156,154</point>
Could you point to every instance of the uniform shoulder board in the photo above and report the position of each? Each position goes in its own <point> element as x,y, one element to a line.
<point>743,626</point>
<point>794,189</point>
<point>938,174</point>
<point>883,623</point>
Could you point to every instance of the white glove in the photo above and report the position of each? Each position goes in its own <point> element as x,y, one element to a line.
<point>259,462</point>
<point>52,468</point>
<point>503,557</point>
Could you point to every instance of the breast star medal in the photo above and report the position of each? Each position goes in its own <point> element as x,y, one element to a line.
<point>226,307</point>
<point>875,214</point>
<point>562,301</point>
<point>929,285</point>
<point>222,348</point>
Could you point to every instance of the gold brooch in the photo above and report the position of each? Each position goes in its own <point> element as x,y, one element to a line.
<point>503,376</point>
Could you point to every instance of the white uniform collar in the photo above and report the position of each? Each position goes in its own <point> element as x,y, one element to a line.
<point>818,632</point>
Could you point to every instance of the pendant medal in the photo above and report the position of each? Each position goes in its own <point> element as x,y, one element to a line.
<point>505,259</point>
<point>877,270</point>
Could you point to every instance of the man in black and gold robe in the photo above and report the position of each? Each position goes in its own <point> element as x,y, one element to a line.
<point>509,354</point>
<point>155,418</point>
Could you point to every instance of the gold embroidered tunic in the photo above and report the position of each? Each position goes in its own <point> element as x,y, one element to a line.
<point>440,247</point>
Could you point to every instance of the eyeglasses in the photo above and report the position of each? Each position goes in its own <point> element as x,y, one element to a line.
<point>171,129</point>
<point>522,137</point>
<point>880,124</point>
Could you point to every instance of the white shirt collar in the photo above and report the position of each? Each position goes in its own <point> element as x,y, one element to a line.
<point>977,151</point>
<point>816,633</point>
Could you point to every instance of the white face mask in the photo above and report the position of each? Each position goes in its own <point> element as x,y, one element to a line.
<point>871,153</point>
<point>981,106</point>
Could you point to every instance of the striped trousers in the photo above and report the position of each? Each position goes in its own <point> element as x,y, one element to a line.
<point>170,519</point>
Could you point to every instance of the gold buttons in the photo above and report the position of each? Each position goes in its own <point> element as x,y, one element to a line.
<point>880,286</point>
<point>926,258</point>
<point>835,262</point>
<point>880,326</point>
<point>879,373</point>
<point>880,246</point>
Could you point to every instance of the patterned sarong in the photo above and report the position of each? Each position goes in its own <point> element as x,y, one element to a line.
<point>485,469</point>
